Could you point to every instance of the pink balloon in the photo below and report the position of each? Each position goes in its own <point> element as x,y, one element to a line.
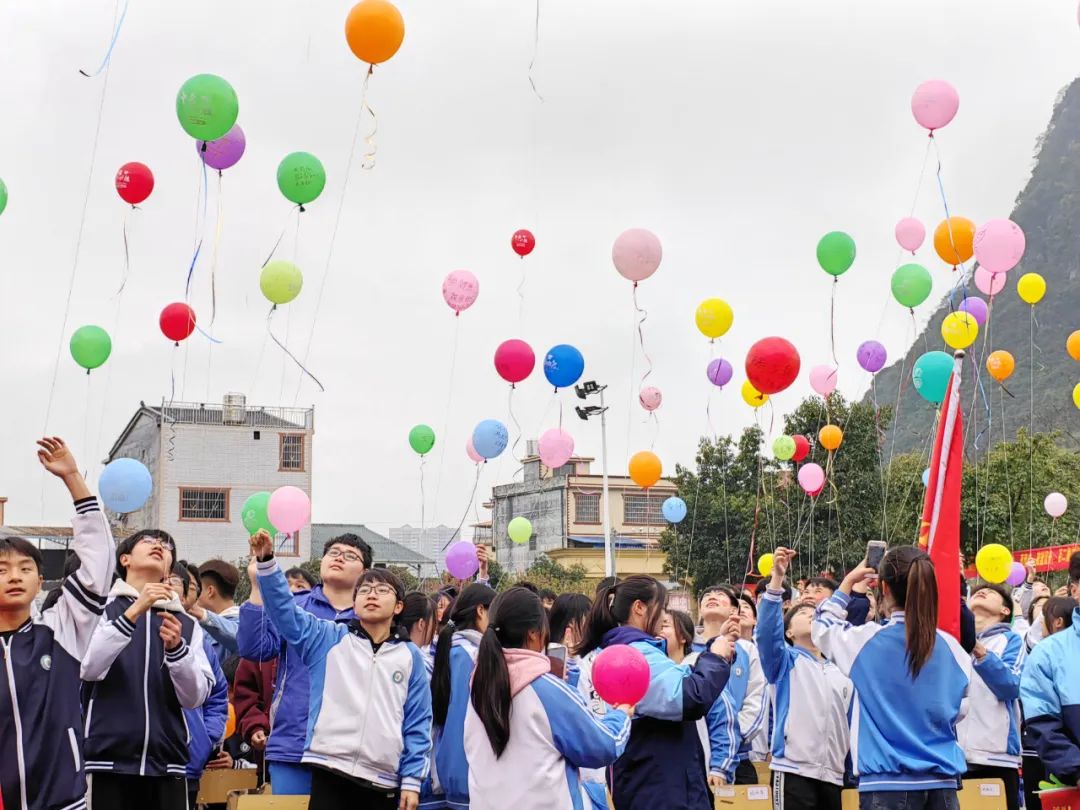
<point>514,360</point>
<point>620,675</point>
<point>1055,505</point>
<point>1017,574</point>
<point>556,447</point>
<point>823,379</point>
<point>289,509</point>
<point>470,451</point>
<point>637,254</point>
<point>989,283</point>
<point>934,104</point>
<point>650,398</point>
<point>461,560</point>
<point>999,245</point>
<point>460,289</point>
<point>910,233</point>
<point>811,478</point>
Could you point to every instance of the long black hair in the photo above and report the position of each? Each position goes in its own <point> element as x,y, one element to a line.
<point>463,613</point>
<point>684,629</point>
<point>1058,607</point>
<point>909,575</point>
<point>514,615</point>
<point>418,608</point>
<point>612,608</point>
<point>569,610</point>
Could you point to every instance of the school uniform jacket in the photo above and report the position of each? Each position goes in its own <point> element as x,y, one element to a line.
<point>206,724</point>
<point>41,764</point>
<point>449,745</point>
<point>990,732</point>
<point>136,690</point>
<point>1050,692</point>
<point>377,723</point>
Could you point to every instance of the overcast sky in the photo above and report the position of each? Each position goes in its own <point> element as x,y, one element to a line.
<point>738,131</point>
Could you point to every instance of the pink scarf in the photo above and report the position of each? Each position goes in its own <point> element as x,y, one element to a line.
<point>525,667</point>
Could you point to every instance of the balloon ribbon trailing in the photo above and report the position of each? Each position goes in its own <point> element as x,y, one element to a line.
<point>112,44</point>
<point>282,346</point>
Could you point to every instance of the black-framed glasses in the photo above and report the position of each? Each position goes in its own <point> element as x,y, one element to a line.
<point>347,556</point>
<point>382,589</point>
<point>157,541</point>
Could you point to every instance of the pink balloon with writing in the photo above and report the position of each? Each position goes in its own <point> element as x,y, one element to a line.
<point>556,447</point>
<point>460,290</point>
<point>910,233</point>
<point>823,379</point>
<point>934,104</point>
<point>650,398</point>
<point>999,245</point>
<point>637,254</point>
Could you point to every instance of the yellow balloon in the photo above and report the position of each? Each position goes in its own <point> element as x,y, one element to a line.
<point>993,562</point>
<point>1076,395</point>
<point>714,317</point>
<point>752,397</point>
<point>764,564</point>
<point>1032,288</point>
<point>959,329</point>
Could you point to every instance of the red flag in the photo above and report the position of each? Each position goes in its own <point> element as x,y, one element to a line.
<point>940,532</point>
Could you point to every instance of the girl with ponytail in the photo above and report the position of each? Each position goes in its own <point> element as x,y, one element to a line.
<point>909,680</point>
<point>526,732</point>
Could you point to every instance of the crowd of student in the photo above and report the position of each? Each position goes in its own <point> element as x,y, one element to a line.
<point>141,672</point>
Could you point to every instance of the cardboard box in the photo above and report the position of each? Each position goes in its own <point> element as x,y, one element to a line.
<point>978,794</point>
<point>743,797</point>
<point>215,786</point>
<point>764,773</point>
<point>259,800</point>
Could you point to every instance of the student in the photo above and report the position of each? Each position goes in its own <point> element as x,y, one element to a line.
<point>664,729</point>
<point>300,580</point>
<point>818,589</point>
<point>526,732</point>
<point>417,620</point>
<point>190,597</point>
<point>548,597</point>
<point>369,727</point>
<point>909,679</point>
<point>145,665</point>
<point>444,598</point>
<point>810,732</point>
<point>990,733</point>
<point>747,617</point>
<point>252,698</point>
<point>216,609</point>
<point>455,657</point>
<point>40,715</point>
<point>567,617</point>
<point>677,631</point>
<point>236,751</point>
<point>345,559</point>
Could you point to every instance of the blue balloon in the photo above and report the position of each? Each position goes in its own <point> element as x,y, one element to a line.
<point>674,509</point>
<point>930,375</point>
<point>563,365</point>
<point>926,477</point>
<point>125,485</point>
<point>490,438</point>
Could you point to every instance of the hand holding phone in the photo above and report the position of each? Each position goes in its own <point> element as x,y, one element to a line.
<point>875,553</point>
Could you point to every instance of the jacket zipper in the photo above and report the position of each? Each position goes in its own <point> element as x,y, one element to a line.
<point>18,721</point>
<point>74,748</point>
<point>146,697</point>
<point>367,713</point>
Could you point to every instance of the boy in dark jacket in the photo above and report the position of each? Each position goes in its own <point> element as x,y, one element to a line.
<point>40,716</point>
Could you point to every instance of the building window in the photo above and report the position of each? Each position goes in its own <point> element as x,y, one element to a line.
<point>642,510</point>
<point>287,545</point>
<point>291,452</point>
<point>532,543</point>
<point>209,505</point>
<point>586,508</point>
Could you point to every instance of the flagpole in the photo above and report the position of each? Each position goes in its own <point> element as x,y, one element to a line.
<point>946,444</point>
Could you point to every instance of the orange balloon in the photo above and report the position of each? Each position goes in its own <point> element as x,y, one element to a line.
<point>374,30</point>
<point>960,246</point>
<point>1001,365</point>
<point>1072,345</point>
<point>230,724</point>
<point>645,468</point>
<point>830,437</point>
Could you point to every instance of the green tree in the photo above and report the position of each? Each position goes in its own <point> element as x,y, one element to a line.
<point>546,573</point>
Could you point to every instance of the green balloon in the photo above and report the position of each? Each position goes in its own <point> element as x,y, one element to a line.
<point>254,514</point>
<point>3,196</point>
<point>90,346</point>
<point>784,448</point>
<point>207,107</point>
<point>520,530</point>
<point>422,439</point>
<point>281,281</point>
<point>836,253</point>
<point>301,177</point>
<point>930,375</point>
<point>911,285</point>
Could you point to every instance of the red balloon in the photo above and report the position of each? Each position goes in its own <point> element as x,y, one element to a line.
<point>772,364</point>
<point>134,182</point>
<point>802,448</point>
<point>620,675</point>
<point>177,321</point>
<point>523,242</point>
<point>514,360</point>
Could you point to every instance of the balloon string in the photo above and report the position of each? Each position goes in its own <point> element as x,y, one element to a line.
<point>282,346</point>
<point>118,24</point>
<point>423,513</point>
<point>948,215</point>
<point>1031,428</point>
<point>521,298</point>
<point>449,401</point>
<point>457,531</point>
<point>832,320</point>
<point>517,425</point>
<point>214,252</point>
<point>1005,459</point>
<point>127,252</point>
<point>205,188</point>
<point>277,243</point>
<point>656,429</point>
<point>367,160</point>
<point>536,50</point>
<point>641,336</point>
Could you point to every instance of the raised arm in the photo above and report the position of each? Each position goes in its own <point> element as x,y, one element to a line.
<point>674,693</point>
<point>584,739</point>
<point>837,639</point>
<point>772,649</point>
<point>1001,674</point>
<point>223,631</point>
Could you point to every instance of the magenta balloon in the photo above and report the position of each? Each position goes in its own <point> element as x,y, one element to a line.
<point>977,308</point>
<point>470,451</point>
<point>1017,574</point>
<point>999,245</point>
<point>620,675</point>
<point>910,233</point>
<point>514,360</point>
<point>461,560</point>
<point>226,151</point>
<point>637,254</point>
<point>989,283</point>
<point>650,398</point>
<point>720,372</point>
<point>934,104</point>
<point>811,478</point>
<point>823,379</point>
<point>871,356</point>
<point>289,509</point>
<point>459,290</point>
<point>556,447</point>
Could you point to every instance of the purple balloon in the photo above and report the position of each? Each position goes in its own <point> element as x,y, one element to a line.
<point>977,308</point>
<point>720,372</point>
<point>225,152</point>
<point>871,356</point>
<point>1017,574</point>
<point>461,560</point>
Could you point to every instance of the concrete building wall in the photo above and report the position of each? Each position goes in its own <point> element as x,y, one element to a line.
<point>428,542</point>
<point>543,502</point>
<point>143,443</point>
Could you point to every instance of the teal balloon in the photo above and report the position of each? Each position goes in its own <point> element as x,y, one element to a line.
<point>254,514</point>
<point>911,285</point>
<point>3,196</point>
<point>421,439</point>
<point>836,253</point>
<point>930,375</point>
<point>301,177</point>
<point>207,107</point>
<point>90,346</point>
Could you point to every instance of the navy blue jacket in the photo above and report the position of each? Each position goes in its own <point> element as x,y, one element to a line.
<point>1050,692</point>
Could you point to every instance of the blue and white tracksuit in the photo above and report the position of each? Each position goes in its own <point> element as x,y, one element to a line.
<point>377,726</point>
<point>206,724</point>
<point>1050,692</point>
<point>41,730</point>
<point>449,745</point>
<point>903,731</point>
<point>221,628</point>
<point>593,780</point>
<point>810,733</point>
<point>990,731</point>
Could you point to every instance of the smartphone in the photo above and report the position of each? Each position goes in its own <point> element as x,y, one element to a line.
<point>875,551</point>
<point>557,651</point>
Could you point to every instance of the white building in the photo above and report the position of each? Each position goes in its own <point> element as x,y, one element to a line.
<point>206,459</point>
<point>429,542</point>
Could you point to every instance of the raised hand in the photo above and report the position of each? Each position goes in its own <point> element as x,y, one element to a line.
<point>782,558</point>
<point>152,593</point>
<point>55,457</point>
<point>262,545</point>
<point>170,631</point>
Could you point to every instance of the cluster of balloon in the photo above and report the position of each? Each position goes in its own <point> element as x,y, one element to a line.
<point>650,398</point>
<point>823,379</point>
<point>910,234</point>
<point>1001,365</point>
<point>134,182</point>
<point>90,347</point>
<point>3,196</point>
<point>645,468</point>
<point>556,447</point>
<point>461,560</point>
<point>714,318</point>
<point>125,485</point>
<point>459,290</point>
<point>520,529</point>
<point>1017,574</point>
<point>765,564</point>
<point>959,329</point>
<point>911,285</point>
<point>719,372</point>
<point>620,675</point>
<point>772,364</point>
<point>207,107</point>
<point>289,509</point>
<point>254,514</point>
<point>514,359</point>
<point>523,242</point>
<point>421,439</point>
<point>301,178</point>
<point>811,479</point>
<point>563,365</point>
<point>177,321</point>
<point>674,509</point>
<point>1055,505</point>
<point>224,152</point>
<point>374,31</point>
<point>490,438</point>
<point>871,356</point>
<point>934,104</point>
<point>1072,346</point>
<point>994,562</point>
<point>280,281</point>
<point>930,376</point>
